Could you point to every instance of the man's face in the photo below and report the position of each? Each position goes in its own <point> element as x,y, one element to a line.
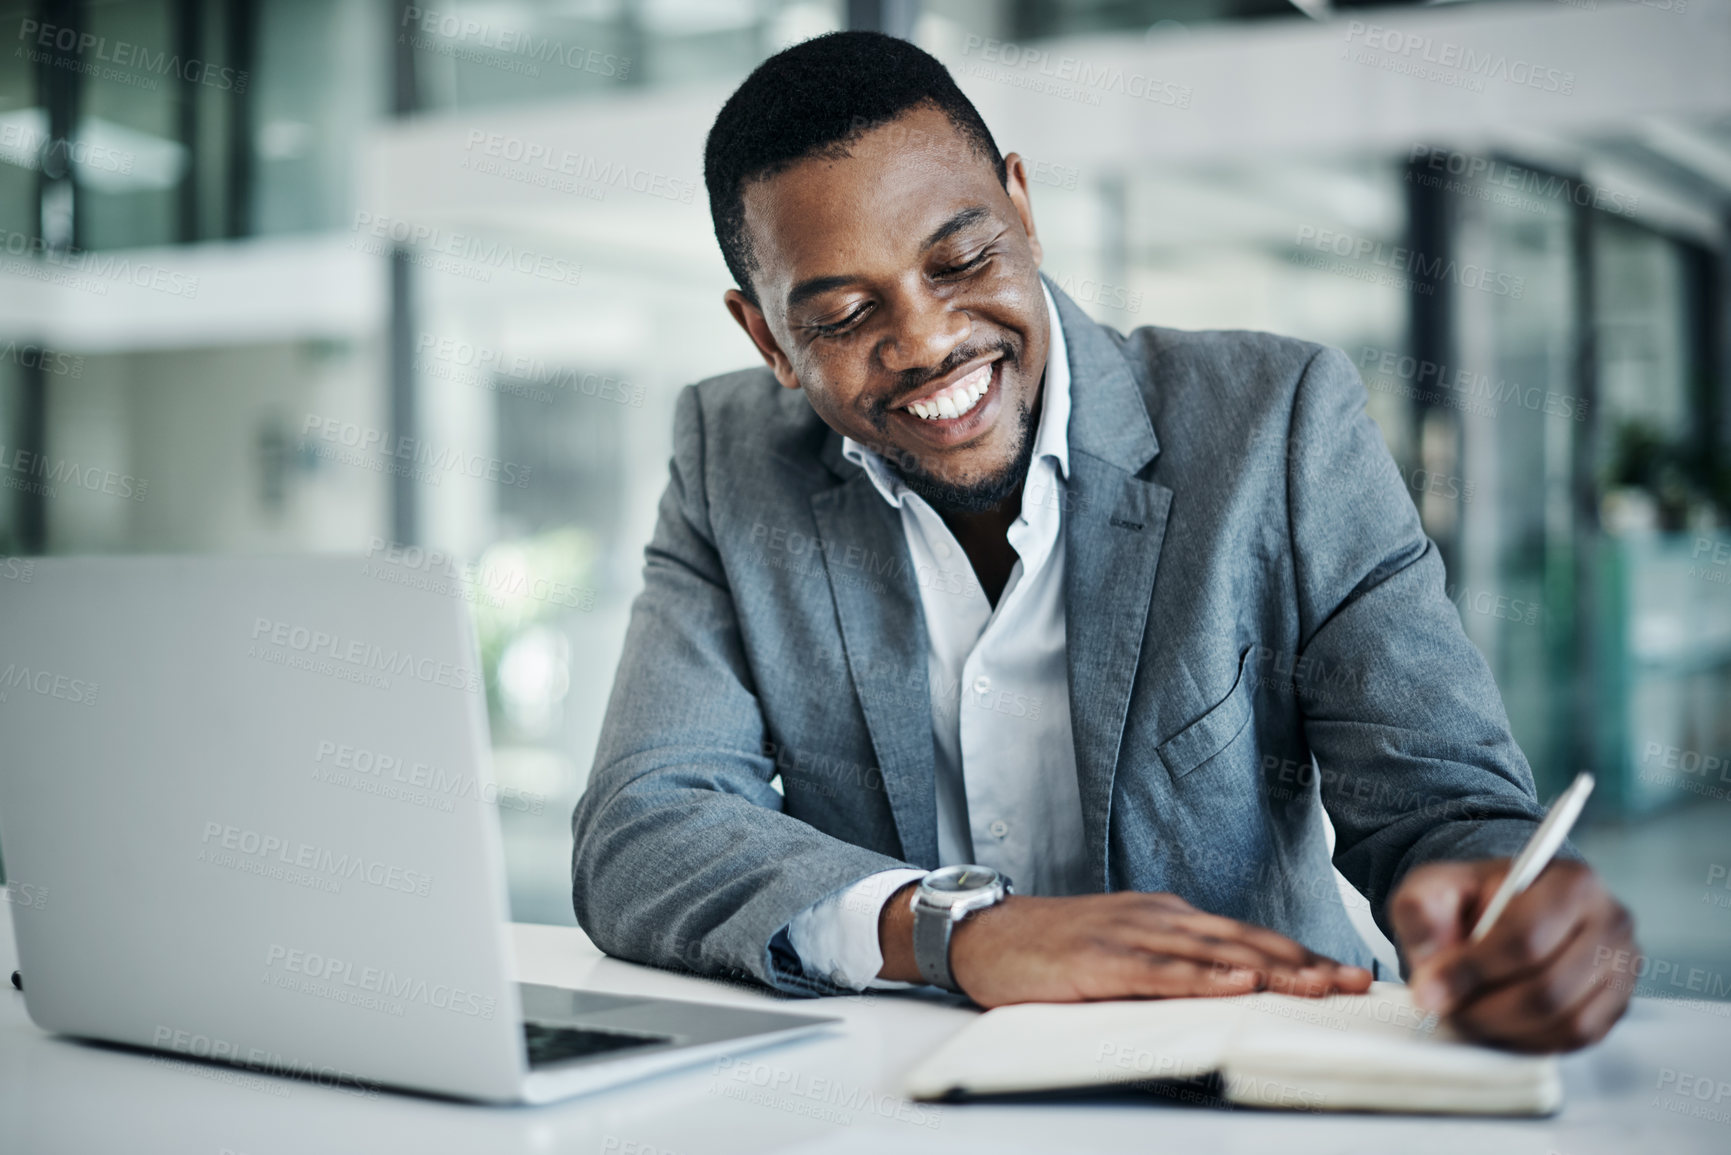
<point>903,277</point>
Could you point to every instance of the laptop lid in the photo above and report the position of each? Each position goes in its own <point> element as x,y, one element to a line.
<point>254,797</point>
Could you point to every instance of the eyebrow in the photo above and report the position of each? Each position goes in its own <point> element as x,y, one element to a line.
<point>816,286</point>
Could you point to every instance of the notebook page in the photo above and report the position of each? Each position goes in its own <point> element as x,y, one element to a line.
<point>1372,1052</point>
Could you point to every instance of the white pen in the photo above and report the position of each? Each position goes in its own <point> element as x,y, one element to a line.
<point>1538,852</point>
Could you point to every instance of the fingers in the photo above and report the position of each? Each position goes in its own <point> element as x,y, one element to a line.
<point>1212,949</point>
<point>1591,1021</point>
<point>1277,948</point>
<point>1562,1004</point>
<point>1534,982</point>
<point>1531,931</point>
<point>1583,1024</point>
<point>1276,962</point>
<point>1145,975</point>
<point>1431,909</point>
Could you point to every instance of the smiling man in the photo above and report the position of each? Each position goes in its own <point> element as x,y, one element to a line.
<point>966,590</point>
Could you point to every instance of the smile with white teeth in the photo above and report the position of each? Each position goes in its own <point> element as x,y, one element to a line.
<point>957,399</point>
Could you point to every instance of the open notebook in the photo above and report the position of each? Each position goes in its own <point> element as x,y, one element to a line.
<point>1367,1052</point>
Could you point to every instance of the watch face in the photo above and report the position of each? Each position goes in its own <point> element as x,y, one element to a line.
<point>960,879</point>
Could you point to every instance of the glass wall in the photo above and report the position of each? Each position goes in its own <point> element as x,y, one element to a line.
<point>1510,436</point>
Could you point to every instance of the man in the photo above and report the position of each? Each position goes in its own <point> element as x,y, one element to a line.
<point>983,582</point>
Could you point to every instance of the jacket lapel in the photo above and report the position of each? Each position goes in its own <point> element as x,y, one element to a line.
<point>1114,524</point>
<point>883,630</point>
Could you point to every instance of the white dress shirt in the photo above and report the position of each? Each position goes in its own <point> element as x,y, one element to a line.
<point>1003,757</point>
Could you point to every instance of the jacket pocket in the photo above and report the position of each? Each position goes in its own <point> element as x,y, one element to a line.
<point>1209,734</point>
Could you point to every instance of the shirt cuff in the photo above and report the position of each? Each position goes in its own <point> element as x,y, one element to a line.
<point>836,937</point>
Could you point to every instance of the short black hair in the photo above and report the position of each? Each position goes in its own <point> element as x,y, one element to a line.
<point>815,99</point>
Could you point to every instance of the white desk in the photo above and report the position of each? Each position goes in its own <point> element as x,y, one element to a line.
<point>60,1096</point>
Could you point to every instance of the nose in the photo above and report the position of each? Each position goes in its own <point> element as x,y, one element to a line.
<point>927,330</point>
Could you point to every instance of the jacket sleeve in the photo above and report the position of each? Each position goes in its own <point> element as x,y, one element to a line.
<point>683,856</point>
<point>1412,744</point>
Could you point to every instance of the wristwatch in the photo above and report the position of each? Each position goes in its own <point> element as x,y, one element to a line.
<point>944,898</point>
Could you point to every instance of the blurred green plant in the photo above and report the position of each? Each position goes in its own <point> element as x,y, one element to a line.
<point>1679,474</point>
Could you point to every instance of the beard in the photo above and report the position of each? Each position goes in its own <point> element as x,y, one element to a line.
<point>982,495</point>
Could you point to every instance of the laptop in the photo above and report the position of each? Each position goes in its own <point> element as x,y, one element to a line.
<point>252,801</point>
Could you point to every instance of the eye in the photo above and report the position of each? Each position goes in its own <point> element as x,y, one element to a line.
<point>836,327</point>
<point>967,266</point>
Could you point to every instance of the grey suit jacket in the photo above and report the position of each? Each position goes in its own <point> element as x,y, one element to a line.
<point>1246,585</point>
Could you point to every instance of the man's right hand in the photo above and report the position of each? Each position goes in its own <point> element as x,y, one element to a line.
<point>1111,946</point>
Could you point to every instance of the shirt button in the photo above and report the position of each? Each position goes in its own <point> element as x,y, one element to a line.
<point>943,548</point>
<point>999,828</point>
<point>982,685</point>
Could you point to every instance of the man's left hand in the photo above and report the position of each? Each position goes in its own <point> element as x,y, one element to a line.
<point>1539,979</point>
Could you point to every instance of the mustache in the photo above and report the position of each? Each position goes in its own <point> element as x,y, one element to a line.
<point>911,381</point>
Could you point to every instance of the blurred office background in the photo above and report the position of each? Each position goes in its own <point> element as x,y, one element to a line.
<point>246,243</point>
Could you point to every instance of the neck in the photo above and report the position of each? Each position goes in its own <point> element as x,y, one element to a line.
<point>985,536</point>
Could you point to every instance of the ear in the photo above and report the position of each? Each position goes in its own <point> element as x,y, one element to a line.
<point>1016,184</point>
<point>752,320</point>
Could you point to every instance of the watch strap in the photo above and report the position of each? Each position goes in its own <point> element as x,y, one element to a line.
<point>932,927</point>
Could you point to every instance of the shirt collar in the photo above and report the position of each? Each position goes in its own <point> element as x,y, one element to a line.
<point>1051,438</point>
